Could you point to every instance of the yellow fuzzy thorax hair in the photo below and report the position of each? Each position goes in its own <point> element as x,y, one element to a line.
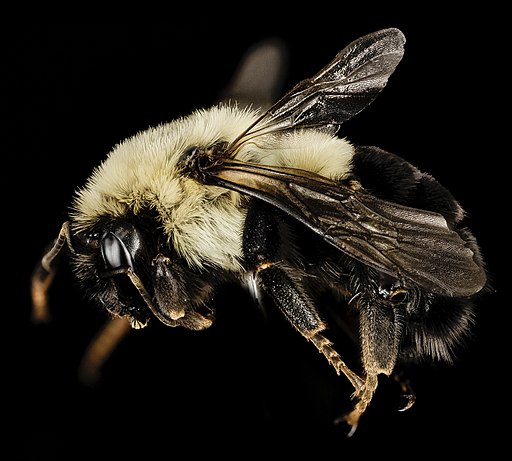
<point>203,223</point>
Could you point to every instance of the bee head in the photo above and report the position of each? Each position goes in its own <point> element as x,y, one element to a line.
<point>132,273</point>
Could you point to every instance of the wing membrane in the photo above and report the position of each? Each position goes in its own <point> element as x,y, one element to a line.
<point>407,243</point>
<point>343,88</point>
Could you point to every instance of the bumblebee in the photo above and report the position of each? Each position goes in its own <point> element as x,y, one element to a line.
<point>274,199</point>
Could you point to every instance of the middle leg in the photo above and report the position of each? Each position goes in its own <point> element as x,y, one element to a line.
<point>275,265</point>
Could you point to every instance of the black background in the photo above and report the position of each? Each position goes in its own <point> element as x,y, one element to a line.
<point>243,387</point>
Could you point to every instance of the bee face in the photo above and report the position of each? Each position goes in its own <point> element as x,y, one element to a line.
<point>133,274</point>
<point>103,257</point>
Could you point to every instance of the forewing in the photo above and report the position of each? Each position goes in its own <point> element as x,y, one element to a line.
<point>340,90</point>
<point>410,244</point>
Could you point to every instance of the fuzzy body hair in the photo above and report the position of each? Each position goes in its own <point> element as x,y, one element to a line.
<point>151,236</point>
<point>203,223</point>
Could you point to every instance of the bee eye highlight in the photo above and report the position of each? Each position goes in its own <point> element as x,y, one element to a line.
<point>114,252</point>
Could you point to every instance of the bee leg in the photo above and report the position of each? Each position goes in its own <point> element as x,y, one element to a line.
<point>266,251</point>
<point>39,286</point>
<point>325,347</point>
<point>44,273</point>
<point>407,397</point>
<point>279,282</point>
<point>381,330</point>
<point>100,349</point>
<point>364,397</point>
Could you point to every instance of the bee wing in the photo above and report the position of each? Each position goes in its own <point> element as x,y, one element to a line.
<point>259,76</point>
<point>406,243</point>
<point>340,90</point>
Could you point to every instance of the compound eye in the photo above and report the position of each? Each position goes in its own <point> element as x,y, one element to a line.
<point>114,252</point>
